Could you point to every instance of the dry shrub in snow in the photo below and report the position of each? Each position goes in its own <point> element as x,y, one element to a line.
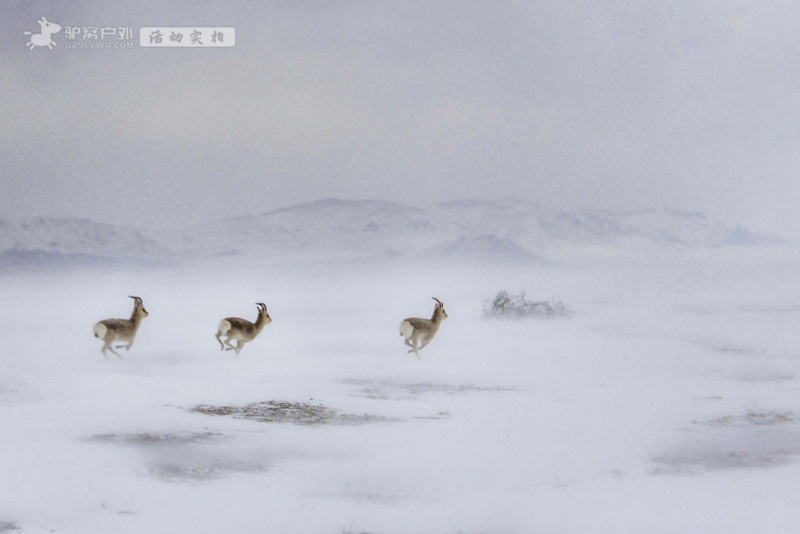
<point>505,305</point>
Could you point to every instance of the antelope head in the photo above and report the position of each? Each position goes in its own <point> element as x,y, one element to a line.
<point>139,305</point>
<point>440,307</point>
<point>262,310</point>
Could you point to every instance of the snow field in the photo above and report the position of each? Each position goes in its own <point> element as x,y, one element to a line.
<point>667,403</point>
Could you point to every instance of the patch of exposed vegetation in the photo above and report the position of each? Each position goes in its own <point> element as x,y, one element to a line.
<point>184,457</point>
<point>201,473</point>
<point>517,306</point>
<point>688,462</point>
<point>350,530</point>
<point>8,526</point>
<point>438,416</point>
<point>389,390</point>
<point>755,439</point>
<point>148,438</point>
<point>296,413</point>
<point>751,418</point>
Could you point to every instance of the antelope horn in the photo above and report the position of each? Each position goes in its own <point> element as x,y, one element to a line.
<point>437,300</point>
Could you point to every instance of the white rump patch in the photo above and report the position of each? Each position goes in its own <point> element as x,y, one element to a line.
<point>224,327</point>
<point>406,329</point>
<point>100,331</point>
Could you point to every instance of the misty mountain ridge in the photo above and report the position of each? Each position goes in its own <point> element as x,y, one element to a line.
<point>517,227</point>
<point>75,242</point>
<point>502,230</point>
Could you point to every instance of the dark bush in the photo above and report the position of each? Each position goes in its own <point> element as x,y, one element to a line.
<point>505,305</point>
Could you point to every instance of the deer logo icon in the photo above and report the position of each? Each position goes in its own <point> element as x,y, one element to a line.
<point>43,38</point>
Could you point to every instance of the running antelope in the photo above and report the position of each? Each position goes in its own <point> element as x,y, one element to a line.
<point>111,330</point>
<point>242,330</point>
<point>417,330</point>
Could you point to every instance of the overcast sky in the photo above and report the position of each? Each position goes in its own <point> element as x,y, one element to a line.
<point>619,105</point>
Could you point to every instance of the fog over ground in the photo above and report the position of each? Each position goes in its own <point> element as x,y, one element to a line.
<point>343,163</point>
<point>666,402</point>
<point>684,105</point>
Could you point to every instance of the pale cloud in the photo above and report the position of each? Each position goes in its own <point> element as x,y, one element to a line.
<point>635,104</point>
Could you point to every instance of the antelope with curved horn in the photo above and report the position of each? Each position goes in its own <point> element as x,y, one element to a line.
<point>242,330</point>
<point>417,330</point>
<point>111,330</point>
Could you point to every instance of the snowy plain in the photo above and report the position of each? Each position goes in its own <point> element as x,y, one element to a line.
<point>668,402</point>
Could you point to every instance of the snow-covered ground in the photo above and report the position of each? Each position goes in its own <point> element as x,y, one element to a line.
<point>667,403</point>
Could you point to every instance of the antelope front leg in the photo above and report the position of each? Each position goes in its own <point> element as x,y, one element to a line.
<point>413,348</point>
<point>108,346</point>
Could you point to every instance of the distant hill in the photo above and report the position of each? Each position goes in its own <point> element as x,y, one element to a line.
<point>506,230</point>
<point>67,242</point>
